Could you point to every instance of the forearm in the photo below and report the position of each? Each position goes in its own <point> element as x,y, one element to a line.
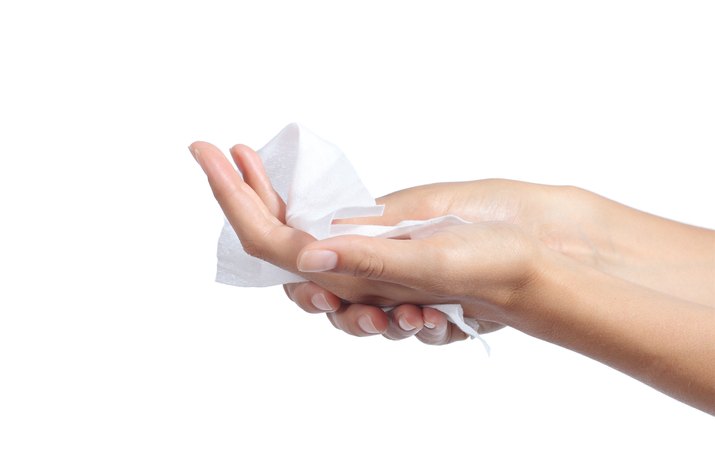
<point>658,253</point>
<point>663,341</point>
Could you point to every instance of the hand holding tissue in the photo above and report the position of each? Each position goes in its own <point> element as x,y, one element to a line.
<point>318,185</point>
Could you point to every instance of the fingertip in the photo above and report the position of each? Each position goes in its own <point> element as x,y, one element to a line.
<point>250,165</point>
<point>372,321</point>
<point>380,320</point>
<point>239,156</point>
<point>195,150</point>
<point>362,320</point>
<point>409,317</point>
<point>236,152</point>
<point>320,301</point>
<point>241,148</point>
<point>312,298</point>
<point>195,144</point>
<point>195,153</point>
<point>433,318</point>
<point>211,159</point>
<point>436,329</point>
<point>200,145</point>
<point>245,157</point>
<point>366,324</point>
<point>288,289</point>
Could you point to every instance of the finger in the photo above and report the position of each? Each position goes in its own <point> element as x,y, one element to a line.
<point>251,166</point>
<point>312,298</point>
<point>416,203</point>
<point>331,319</point>
<point>455,334</point>
<point>242,207</point>
<point>433,320</point>
<point>261,233</point>
<point>415,263</point>
<point>360,320</point>
<point>437,329</point>
<point>405,321</point>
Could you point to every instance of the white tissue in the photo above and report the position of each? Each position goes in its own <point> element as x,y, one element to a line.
<point>318,184</point>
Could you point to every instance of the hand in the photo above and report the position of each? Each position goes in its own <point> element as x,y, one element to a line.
<point>256,213</point>
<point>585,227</point>
<point>556,215</point>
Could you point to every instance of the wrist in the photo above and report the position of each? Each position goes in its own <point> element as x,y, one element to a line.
<point>542,298</point>
<point>506,300</point>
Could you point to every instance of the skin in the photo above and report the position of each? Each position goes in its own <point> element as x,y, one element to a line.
<point>634,291</point>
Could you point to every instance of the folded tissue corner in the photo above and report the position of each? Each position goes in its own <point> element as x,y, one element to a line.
<point>318,185</point>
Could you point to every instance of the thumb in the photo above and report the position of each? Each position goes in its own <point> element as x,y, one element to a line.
<point>409,262</point>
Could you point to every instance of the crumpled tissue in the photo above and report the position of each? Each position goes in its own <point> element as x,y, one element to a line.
<point>318,185</point>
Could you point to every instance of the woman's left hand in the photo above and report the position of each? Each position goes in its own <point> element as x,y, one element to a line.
<point>256,213</point>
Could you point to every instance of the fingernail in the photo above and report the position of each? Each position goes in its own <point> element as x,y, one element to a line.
<point>406,326</point>
<point>429,325</point>
<point>314,261</point>
<point>320,302</point>
<point>365,323</point>
<point>197,156</point>
<point>194,152</point>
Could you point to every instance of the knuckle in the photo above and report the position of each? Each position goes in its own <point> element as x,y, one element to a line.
<point>369,266</point>
<point>257,243</point>
<point>224,194</point>
<point>253,248</point>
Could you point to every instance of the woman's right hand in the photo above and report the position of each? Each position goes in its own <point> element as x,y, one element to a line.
<point>554,215</point>
<point>585,227</point>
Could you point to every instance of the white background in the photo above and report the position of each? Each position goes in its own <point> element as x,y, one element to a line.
<point>120,355</point>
